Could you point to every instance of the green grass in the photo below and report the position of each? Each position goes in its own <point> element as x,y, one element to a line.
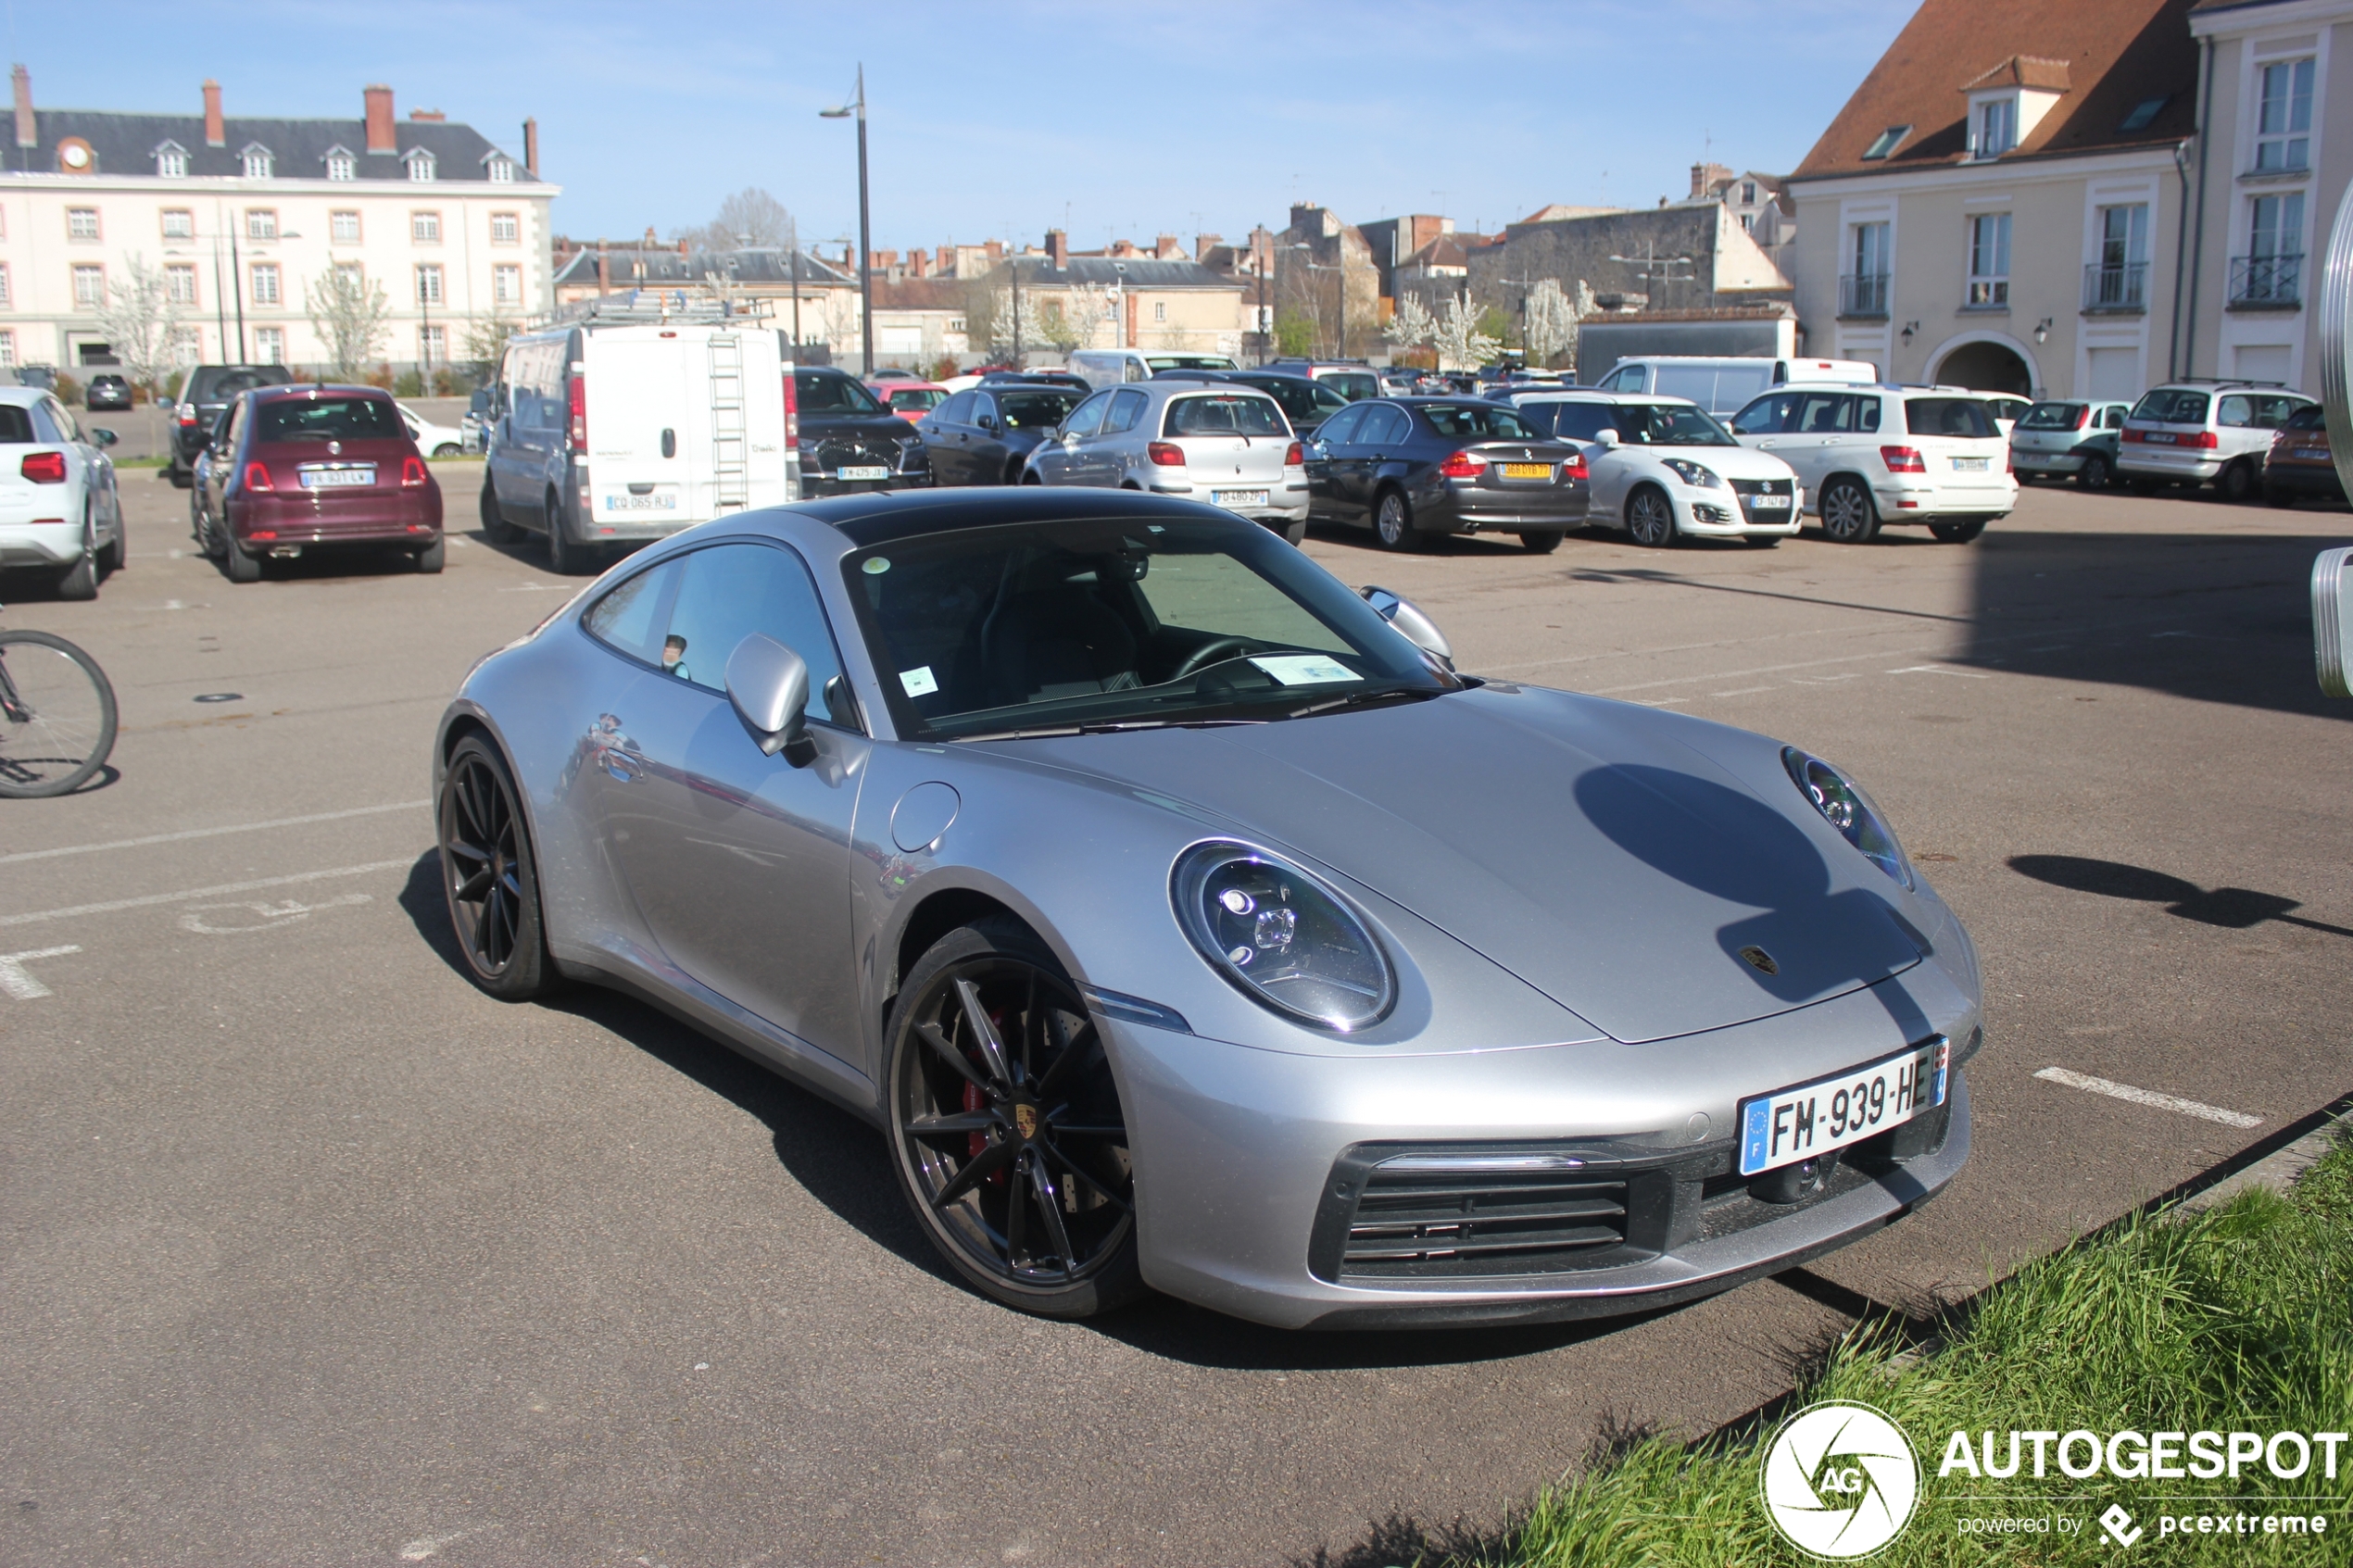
<point>2239,1318</point>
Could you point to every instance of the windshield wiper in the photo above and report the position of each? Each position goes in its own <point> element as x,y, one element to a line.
<point>1104,727</point>
<point>1360,700</point>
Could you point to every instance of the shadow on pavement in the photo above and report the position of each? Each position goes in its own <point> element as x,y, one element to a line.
<point>2235,909</point>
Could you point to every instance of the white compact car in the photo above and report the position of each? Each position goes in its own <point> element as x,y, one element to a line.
<point>433,440</point>
<point>1870,455</point>
<point>58,508</point>
<point>1664,469</point>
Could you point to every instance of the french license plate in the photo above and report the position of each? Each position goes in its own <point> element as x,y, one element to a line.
<point>1239,497</point>
<point>332,479</point>
<point>1769,503</point>
<point>869,470</point>
<point>2158,438</point>
<point>1813,1119</point>
<point>656,503</point>
<point>2313,454</point>
<point>1527,470</point>
<point>1970,465</point>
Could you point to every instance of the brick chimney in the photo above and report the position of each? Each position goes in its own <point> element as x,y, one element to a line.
<point>919,263</point>
<point>432,116</point>
<point>531,147</point>
<point>995,250</point>
<point>946,261</point>
<point>215,134</point>
<point>1058,248</point>
<point>381,135</point>
<point>604,268</point>
<point>1204,243</point>
<point>26,136</point>
<point>1165,248</point>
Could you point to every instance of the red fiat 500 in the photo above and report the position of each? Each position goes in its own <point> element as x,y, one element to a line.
<point>295,469</point>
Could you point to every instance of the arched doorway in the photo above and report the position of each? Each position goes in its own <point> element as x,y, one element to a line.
<point>1985,366</point>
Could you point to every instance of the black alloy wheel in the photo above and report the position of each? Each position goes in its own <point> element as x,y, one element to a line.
<point>1848,514</point>
<point>489,877</point>
<point>1958,533</point>
<point>1393,522</point>
<point>2236,483</point>
<point>2094,474</point>
<point>1650,518</point>
<point>1005,1124</point>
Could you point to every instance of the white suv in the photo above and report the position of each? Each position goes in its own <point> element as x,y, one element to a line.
<point>1867,455</point>
<point>2199,433</point>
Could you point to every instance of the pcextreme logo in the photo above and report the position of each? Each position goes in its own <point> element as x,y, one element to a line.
<point>1840,1480</point>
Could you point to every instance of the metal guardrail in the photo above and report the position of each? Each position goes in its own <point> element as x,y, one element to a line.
<point>2122,286</point>
<point>1862,293</point>
<point>2267,280</point>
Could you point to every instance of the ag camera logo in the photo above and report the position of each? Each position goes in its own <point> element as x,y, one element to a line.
<point>1840,1480</point>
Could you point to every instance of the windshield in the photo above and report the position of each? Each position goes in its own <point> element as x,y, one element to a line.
<point>1224,414</point>
<point>1478,421</point>
<point>987,632</point>
<point>820,394</point>
<point>1036,410</point>
<point>1353,386</point>
<point>1669,424</point>
<point>1189,362</point>
<point>328,418</point>
<point>2053,416</point>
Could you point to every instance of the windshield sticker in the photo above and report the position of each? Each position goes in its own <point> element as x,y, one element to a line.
<point>919,682</point>
<point>1304,669</point>
<point>875,566</point>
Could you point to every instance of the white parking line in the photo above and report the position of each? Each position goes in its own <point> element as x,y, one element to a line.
<point>153,899</point>
<point>1938,669</point>
<point>209,832</point>
<point>18,986</point>
<point>2148,1096</point>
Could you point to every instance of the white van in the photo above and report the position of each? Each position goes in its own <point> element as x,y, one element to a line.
<point>1722,385</point>
<point>1099,367</point>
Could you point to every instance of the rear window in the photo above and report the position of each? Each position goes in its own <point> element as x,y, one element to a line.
<point>1225,415</point>
<point>2053,416</point>
<point>1477,422</point>
<point>915,399</point>
<point>2173,406</point>
<point>2310,417</point>
<point>328,418</point>
<point>1355,385</point>
<point>15,425</point>
<point>1963,416</point>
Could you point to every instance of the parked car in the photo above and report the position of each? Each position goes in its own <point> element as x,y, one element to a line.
<point>2205,431</point>
<point>106,393</point>
<point>1306,403</point>
<point>2300,464</point>
<point>60,513</point>
<point>2057,438</point>
<point>1721,384</point>
<point>1353,379</point>
<point>848,442</point>
<point>205,396</point>
<point>1251,1016</point>
<point>1099,367</point>
<point>1227,446</point>
<point>295,470</point>
<point>911,400</point>
<point>1413,468</point>
<point>433,440</point>
<point>1868,456</point>
<point>1663,469</point>
<point>983,435</point>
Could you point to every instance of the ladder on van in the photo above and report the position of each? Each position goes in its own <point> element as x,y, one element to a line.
<point>731,478</point>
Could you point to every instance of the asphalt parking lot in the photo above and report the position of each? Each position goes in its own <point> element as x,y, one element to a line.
<point>313,1254</point>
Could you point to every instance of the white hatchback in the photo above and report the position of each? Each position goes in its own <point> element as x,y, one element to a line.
<point>1876,454</point>
<point>1663,469</point>
<point>59,511</point>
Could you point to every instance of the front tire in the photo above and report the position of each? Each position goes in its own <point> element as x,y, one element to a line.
<point>489,877</point>
<point>1650,518</point>
<point>1006,1131</point>
<point>1393,522</point>
<point>1849,516</point>
<point>1540,541</point>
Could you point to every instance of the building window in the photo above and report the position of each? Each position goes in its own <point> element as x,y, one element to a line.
<point>420,168</point>
<point>172,162</point>
<point>432,346</point>
<point>1748,193</point>
<point>187,347</point>
<point>264,283</point>
<point>350,275</point>
<point>1159,310</point>
<point>178,224</point>
<point>180,283</point>
<point>262,222</point>
<point>1885,142</point>
<point>505,229</point>
<point>425,228</point>
<point>7,348</point>
<point>1863,291</point>
<point>2119,279</point>
<point>2283,120</point>
<point>341,165</point>
<point>6,296</point>
<point>257,163</point>
<point>89,284</point>
<point>2271,270</point>
<point>81,223</point>
<point>270,345</point>
<point>1989,261</point>
<point>1996,127</point>
<point>1748,222</point>
<point>502,171</point>
<point>429,284</point>
<point>506,283</point>
<point>342,228</point>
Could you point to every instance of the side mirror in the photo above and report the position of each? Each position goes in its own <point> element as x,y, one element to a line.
<point>103,438</point>
<point>1408,618</point>
<point>768,685</point>
<point>1606,438</point>
<point>989,421</point>
<point>2332,622</point>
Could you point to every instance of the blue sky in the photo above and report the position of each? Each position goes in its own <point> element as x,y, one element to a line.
<point>1012,116</point>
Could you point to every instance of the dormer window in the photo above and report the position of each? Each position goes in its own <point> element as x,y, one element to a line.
<point>1993,128</point>
<point>2147,110</point>
<point>502,170</point>
<point>421,165</point>
<point>171,161</point>
<point>258,161</point>
<point>1886,143</point>
<point>341,165</point>
<point>2007,102</point>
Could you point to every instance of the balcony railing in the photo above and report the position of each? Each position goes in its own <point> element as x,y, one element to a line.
<point>2122,286</point>
<point>1862,293</point>
<point>2267,280</point>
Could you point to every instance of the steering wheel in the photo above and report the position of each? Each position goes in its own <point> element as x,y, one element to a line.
<point>1214,651</point>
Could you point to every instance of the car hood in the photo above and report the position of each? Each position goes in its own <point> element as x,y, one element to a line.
<point>1583,845</point>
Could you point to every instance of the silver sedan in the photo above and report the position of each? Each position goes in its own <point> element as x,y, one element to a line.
<point>1185,922</point>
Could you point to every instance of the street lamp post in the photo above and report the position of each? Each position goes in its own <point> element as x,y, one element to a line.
<point>865,237</point>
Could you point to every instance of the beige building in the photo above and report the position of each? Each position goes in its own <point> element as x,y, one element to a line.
<point>239,216</point>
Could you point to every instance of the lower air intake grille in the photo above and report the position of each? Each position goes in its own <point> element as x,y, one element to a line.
<point>1438,1214</point>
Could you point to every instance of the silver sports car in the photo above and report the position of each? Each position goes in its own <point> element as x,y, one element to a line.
<point>1186,923</point>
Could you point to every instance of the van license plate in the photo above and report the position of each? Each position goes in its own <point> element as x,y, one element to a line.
<point>657,503</point>
<point>1813,1119</point>
<point>2159,437</point>
<point>330,479</point>
<point>874,471</point>
<point>1239,497</point>
<point>1970,465</point>
<point>1527,470</point>
<point>2312,454</point>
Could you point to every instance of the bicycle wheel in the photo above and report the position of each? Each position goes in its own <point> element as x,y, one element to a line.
<point>57,715</point>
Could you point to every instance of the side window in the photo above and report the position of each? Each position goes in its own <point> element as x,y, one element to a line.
<point>730,591</point>
<point>2237,412</point>
<point>1088,415</point>
<point>1629,379</point>
<point>980,407</point>
<point>1866,413</point>
<point>1126,407</point>
<point>233,424</point>
<point>1340,429</point>
<point>1825,413</point>
<point>631,617</point>
<point>1385,425</point>
<point>1763,417</point>
<point>2112,417</point>
<point>957,410</point>
<point>44,424</point>
<point>2272,413</point>
<point>1583,422</point>
<point>1137,371</point>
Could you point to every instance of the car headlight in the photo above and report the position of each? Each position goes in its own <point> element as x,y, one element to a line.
<point>1281,937</point>
<point>1844,806</point>
<point>1694,474</point>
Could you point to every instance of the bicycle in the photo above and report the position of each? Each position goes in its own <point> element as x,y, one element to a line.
<point>56,716</point>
